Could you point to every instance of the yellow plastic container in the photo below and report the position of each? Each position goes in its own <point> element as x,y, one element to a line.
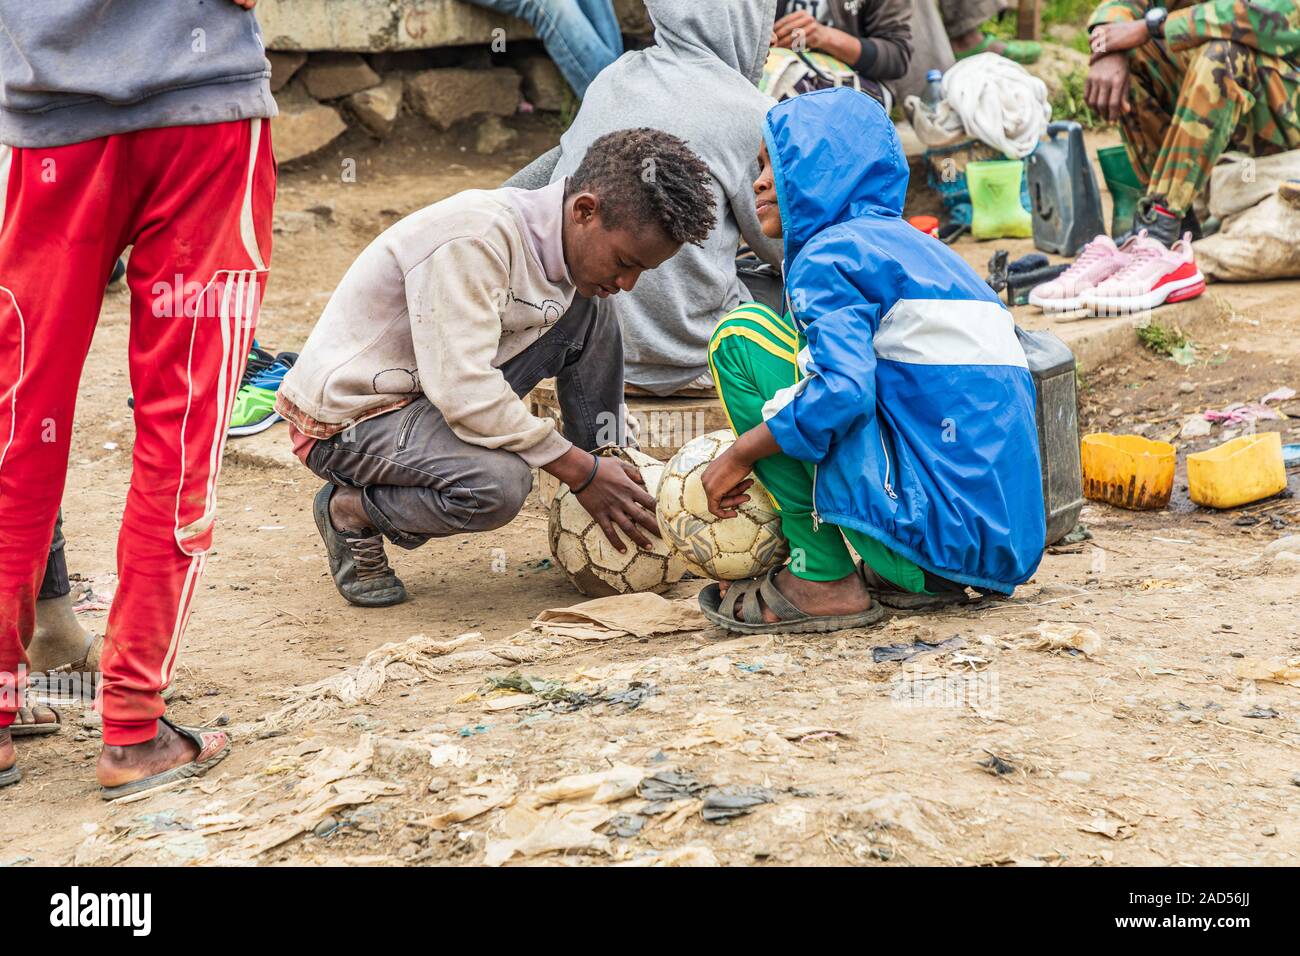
<point>1128,471</point>
<point>1238,472</point>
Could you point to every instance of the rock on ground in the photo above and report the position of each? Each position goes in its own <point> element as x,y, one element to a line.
<point>376,109</point>
<point>445,97</point>
<point>544,86</point>
<point>493,135</point>
<point>283,67</point>
<point>329,76</point>
<point>303,126</point>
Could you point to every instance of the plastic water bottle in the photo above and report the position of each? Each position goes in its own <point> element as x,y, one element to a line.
<point>933,94</point>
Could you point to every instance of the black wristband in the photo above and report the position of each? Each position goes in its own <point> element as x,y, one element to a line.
<point>595,467</point>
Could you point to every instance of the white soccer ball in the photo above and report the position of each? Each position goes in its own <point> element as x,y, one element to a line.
<point>581,550</point>
<point>725,549</point>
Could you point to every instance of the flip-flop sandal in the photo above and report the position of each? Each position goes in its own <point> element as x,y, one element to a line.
<point>37,730</point>
<point>892,596</point>
<point>745,596</point>
<point>213,746</point>
<point>11,776</point>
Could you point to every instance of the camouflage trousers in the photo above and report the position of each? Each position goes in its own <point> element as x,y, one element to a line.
<point>1192,105</point>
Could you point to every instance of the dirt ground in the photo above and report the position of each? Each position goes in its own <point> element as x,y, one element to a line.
<point>1148,749</point>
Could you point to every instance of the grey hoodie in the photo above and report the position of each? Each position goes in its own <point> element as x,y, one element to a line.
<point>75,70</point>
<point>698,82</point>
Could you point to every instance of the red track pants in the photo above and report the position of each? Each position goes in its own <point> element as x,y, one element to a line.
<point>194,202</point>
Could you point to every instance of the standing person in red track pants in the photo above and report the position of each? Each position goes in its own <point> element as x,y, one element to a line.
<point>152,133</point>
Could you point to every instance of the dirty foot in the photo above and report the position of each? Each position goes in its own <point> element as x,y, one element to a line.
<point>59,640</point>
<point>168,749</point>
<point>848,595</point>
<point>8,756</point>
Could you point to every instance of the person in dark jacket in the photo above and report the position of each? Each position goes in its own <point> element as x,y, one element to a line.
<point>872,37</point>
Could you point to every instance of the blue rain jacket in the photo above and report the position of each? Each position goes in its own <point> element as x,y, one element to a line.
<point>914,398</point>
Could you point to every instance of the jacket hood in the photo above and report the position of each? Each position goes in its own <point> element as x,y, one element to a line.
<point>737,32</point>
<point>836,156</point>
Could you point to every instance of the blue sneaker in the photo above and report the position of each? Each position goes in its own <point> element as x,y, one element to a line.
<point>255,404</point>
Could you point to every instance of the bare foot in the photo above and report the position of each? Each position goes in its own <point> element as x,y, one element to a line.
<point>8,756</point>
<point>119,765</point>
<point>348,511</point>
<point>848,595</point>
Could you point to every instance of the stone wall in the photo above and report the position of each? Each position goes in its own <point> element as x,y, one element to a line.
<point>375,26</point>
<point>337,64</point>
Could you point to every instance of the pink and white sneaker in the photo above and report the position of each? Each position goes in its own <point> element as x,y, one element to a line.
<point>1099,260</point>
<point>1154,276</point>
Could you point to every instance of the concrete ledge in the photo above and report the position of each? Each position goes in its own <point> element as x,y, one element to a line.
<point>373,26</point>
<point>1096,342</point>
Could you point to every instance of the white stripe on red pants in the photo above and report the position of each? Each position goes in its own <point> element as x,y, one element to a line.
<point>195,203</point>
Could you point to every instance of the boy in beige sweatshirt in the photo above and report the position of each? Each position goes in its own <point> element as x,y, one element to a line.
<point>408,397</point>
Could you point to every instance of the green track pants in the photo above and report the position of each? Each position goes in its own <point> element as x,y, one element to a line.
<point>753,356</point>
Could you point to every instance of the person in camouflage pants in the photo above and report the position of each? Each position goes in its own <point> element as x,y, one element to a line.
<point>1224,74</point>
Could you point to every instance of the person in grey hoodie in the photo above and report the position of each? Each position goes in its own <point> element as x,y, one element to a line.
<point>141,124</point>
<point>698,82</point>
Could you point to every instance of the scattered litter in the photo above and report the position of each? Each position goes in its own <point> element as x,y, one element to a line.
<point>1077,536</point>
<point>472,730</point>
<point>1277,670</point>
<point>1291,455</point>
<point>906,652</point>
<point>603,787</point>
<point>545,690</point>
<point>1263,713</point>
<point>477,801</point>
<point>726,803</point>
<point>448,755</point>
<point>509,702</point>
<point>637,615</point>
<point>997,766</point>
<point>1049,636</point>
<point>1241,413</point>
<point>814,732</point>
<point>683,856</point>
<point>711,728</point>
<point>1107,826</point>
<point>634,696</point>
<point>424,656</point>
<point>93,594</point>
<point>665,787</point>
<point>627,825</point>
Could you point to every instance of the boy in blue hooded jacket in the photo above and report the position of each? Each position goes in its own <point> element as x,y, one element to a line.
<point>891,406</point>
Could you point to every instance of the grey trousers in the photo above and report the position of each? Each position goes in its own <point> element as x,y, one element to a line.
<point>420,481</point>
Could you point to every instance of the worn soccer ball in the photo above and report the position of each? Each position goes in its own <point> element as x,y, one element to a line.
<point>582,551</point>
<point>725,549</point>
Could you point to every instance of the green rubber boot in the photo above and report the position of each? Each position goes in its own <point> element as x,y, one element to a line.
<point>995,200</point>
<point>1124,187</point>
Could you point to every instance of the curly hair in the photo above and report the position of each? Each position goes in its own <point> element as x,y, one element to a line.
<point>648,176</point>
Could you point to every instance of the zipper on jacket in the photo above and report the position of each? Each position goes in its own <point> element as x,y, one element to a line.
<point>889,487</point>
<point>816,518</point>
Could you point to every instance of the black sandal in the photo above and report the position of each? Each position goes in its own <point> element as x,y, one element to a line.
<point>721,610</point>
<point>892,596</point>
<point>17,730</point>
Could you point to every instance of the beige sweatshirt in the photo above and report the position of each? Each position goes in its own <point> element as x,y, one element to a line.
<point>435,305</point>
